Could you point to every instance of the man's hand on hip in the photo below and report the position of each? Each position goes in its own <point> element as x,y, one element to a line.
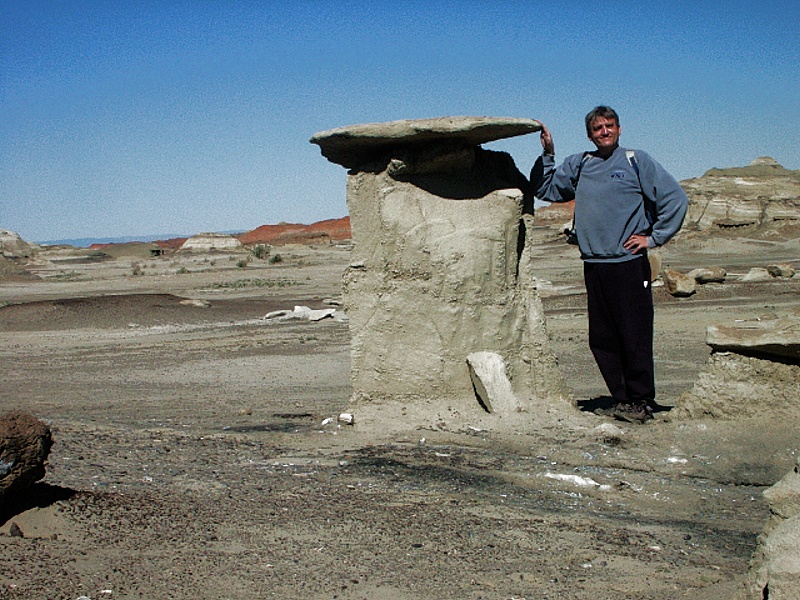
<point>636,243</point>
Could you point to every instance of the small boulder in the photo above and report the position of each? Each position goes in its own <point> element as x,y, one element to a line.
<point>488,373</point>
<point>678,284</point>
<point>708,275</point>
<point>757,274</point>
<point>656,264</point>
<point>783,270</point>
<point>25,443</point>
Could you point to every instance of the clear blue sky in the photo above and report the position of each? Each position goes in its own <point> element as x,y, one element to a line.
<point>140,117</point>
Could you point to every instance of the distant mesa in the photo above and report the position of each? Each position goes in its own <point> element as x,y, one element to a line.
<point>211,242</point>
<point>322,232</point>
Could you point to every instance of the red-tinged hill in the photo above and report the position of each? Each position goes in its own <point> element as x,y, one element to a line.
<point>322,232</point>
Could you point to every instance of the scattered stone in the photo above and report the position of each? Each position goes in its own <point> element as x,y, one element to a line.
<point>488,373</point>
<point>656,263</point>
<point>708,275</point>
<point>302,312</point>
<point>346,418</point>
<point>757,274</point>
<point>25,443</point>
<point>196,302</point>
<point>15,531</point>
<point>678,284</point>
<point>781,270</point>
<point>608,433</point>
<point>578,480</point>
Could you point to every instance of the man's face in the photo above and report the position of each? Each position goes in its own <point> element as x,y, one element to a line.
<point>604,133</point>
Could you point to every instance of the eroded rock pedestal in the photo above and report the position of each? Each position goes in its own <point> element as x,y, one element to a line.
<point>775,569</point>
<point>440,270</point>
<point>754,369</point>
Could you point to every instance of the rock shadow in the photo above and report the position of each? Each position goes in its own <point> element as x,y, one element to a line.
<point>38,495</point>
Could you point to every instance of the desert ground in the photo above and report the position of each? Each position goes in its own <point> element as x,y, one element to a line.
<point>198,453</point>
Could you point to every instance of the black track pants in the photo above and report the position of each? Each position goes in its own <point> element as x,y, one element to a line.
<point>620,303</point>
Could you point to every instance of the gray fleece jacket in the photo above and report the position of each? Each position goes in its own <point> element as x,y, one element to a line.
<point>610,201</point>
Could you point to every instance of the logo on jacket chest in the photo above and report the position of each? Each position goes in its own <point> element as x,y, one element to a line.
<point>618,175</point>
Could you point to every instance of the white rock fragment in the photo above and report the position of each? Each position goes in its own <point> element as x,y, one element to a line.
<point>488,373</point>
<point>346,418</point>
<point>577,480</point>
<point>302,312</point>
<point>196,302</point>
<point>757,274</point>
<point>608,433</point>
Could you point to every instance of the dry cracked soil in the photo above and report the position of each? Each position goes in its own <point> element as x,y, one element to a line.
<point>195,455</point>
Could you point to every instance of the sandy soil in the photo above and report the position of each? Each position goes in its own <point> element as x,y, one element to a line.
<point>192,458</point>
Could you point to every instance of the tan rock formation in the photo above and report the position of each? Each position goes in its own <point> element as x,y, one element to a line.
<point>440,269</point>
<point>13,246</point>
<point>775,569</point>
<point>754,369</point>
<point>763,194</point>
<point>211,242</point>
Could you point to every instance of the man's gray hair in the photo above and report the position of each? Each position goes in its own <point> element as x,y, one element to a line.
<point>600,111</point>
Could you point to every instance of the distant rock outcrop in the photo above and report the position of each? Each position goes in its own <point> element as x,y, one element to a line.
<point>14,255</point>
<point>760,195</point>
<point>211,242</point>
<point>322,232</point>
<point>13,246</point>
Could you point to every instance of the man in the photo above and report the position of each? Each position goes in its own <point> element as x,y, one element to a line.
<point>625,203</point>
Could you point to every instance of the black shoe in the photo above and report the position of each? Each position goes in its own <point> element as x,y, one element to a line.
<point>606,411</point>
<point>633,413</point>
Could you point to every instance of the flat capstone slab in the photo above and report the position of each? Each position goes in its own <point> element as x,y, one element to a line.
<point>356,145</point>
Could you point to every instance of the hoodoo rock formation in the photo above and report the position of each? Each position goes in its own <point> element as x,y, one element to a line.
<point>750,359</point>
<point>440,270</point>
